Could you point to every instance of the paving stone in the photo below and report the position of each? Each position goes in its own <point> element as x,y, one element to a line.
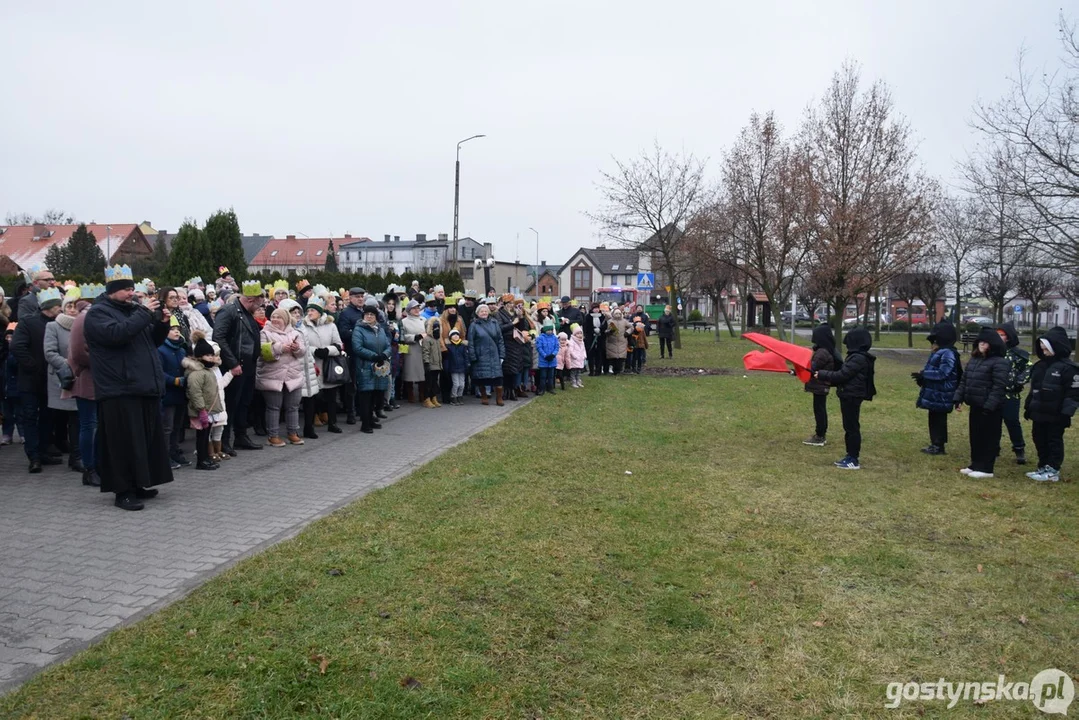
<point>75,567</point>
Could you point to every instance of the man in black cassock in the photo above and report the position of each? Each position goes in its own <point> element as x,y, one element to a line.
<point>122,337</point>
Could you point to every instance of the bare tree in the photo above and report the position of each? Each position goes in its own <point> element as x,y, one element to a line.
<point>1038,120</point>
<point>767,209</point>
<point>932,286</point>
<point>712,274</point>
<point>869,189</point>
<point>907,287</point>
<point>958,237</point>
<point>646,204</point>
<point>49,217</point>
<point>1035,283</point>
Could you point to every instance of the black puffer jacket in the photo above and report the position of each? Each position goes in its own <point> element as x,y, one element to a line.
<point>985,379</point>
<point>825,357</point>
<point>123,340</point>
<point>855,379</point>
<point>28,347</point>
<point>665,326</point>
<point>1054,381</point>
<point>237,334</point>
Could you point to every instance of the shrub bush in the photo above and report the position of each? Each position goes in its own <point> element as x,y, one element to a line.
<point>899,326</point>
<point>695,315</point>
<point>971,327</point>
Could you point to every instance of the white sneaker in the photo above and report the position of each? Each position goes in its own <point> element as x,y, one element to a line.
<point>1033,473</point>
<point>1047,474</point>
<point>967,471</point>
<point>979,475</point>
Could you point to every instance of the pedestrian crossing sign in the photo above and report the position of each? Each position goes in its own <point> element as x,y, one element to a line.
<point>646,281</point>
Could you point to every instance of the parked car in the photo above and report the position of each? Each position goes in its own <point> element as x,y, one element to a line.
<point>800,316</point>
<point>980,319</point>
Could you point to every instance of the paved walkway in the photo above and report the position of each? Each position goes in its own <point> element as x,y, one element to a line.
<point>73,567</point>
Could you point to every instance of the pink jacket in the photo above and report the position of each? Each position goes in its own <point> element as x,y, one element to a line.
<point>562,361</point>
<point>577,354</point>
<point>78,358</point>
<point>287,370</point>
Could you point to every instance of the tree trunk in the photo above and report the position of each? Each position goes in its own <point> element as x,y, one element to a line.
<point>910,328</point>
<point>727,320</point>
<point>876,335</point>
<point>956,310</point>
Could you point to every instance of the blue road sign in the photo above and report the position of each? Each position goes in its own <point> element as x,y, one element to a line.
<point>646,281</point>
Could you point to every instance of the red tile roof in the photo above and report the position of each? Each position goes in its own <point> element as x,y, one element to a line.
<point>283,251</point>
<point>27,245</point>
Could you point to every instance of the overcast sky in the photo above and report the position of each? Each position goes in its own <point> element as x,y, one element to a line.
<point>333,117</point>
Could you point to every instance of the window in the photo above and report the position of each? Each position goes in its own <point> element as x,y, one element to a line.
<point>582,278</point>
<point>273,254</point>
<point>614,267</point>
<point>299,253</point>
<point>467,273</point>
<point>391,256</point>
<point>317,253</point>
<point>629,267</point>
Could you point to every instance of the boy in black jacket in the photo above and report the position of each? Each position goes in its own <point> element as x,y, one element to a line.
<point>855,382</point>
<point>982,389</point>
<point>1053,399</point>
<point>825,357</point>
<point>1019,360</point>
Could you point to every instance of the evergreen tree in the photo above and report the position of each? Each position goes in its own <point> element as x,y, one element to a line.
<point>153,266</point>
<point>190,256</point>
<point>84,257</point>
<point>331,259</point>
<point>225,243</point>
<point>56,259</point>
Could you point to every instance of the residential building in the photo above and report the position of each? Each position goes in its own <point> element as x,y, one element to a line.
<point>404,256</point>
<point>253,245</point>
<point>589,269</point>
<point>293,254</point>
<point>547,278</point>
<point>506,277</point>
<point>25,246</point>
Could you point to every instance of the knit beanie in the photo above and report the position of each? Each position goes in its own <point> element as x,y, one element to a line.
<point>203,348</point>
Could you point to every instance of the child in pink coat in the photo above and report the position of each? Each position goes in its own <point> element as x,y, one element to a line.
<point>562,361</point>
<point>575,356</point>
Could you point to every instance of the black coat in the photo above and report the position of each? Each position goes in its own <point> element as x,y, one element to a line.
<point>237,334</point>
<point>825,357</point>
<point>567,316</point>
<point>591,337</point>
<point>855,379</point>
<point>347,320</point>
<point>665,325</point>
<point>122,339</point>
<point>518,355</point>
<point>28,347</point>
<point>985,379</point>
<point>1054,382</point>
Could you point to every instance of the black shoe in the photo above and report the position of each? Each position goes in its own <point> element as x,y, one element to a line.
<point>244,443</point>
<point>228,450</point>
<point>369,431</point>
<point>181,460</point>
<point>388,408</point>
<point>351,420</point>
<point>380,415</point>
<point>173,465</point>
<point>310,434</point>
<point>1020,457</point>
<point>52,460</point>
<point>207,465</point>
<point>89,477</point>
<point>396,405</point>
<point>376,425</point>
<point>934,450</point>
<point>145,493</point>
<point>127,501</point>
<point>35,467</point>
<point>333,428</point>
<point>261,432</point>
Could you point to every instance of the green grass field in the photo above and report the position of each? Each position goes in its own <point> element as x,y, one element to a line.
<point>528,574</point>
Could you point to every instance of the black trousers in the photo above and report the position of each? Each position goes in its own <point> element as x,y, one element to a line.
<point>202,445</point>
<point>820,415</point>
<point>351,399</point>
<point>985,429</point>
<point>328,396</point>
<point>668,344</point>
<point>308,407</point>
<point>238,397</point>
<point>938,428</point>
<point>445,382</point>
<point>36,421</point>
<point>851,409</point>
<point>1015,427</point>
<point>1049,440</point>
<point>596,359</point>
<point>616,365</point>
<point>432,389</point>
<point>366,400</point>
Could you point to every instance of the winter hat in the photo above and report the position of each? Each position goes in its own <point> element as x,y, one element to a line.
<point>412,305</point>
<point>563,336</point>
<point>195,295</point>
<point>203,348</point>
<point>548,325</point>
<point>370,303</point>
<point>564,300</point>
<point>316,302</point>
<point>455,331</point>
<point>288,303</point>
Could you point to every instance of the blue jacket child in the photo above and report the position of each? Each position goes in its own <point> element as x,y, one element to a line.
<point>172,353</point>
<point>938,381</point>
<point>547,347</point>
<point>456,360</point>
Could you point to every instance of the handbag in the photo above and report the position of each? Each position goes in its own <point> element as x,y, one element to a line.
<point>335,370</point>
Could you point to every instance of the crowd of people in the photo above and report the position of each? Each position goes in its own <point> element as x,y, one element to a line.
<point>990,387</point>
<point>115,376</point>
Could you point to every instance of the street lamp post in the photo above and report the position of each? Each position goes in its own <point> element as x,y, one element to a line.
<point>536,272</point>
<point>486,265</point>
<point>108,245</point>
<point>457,195</point>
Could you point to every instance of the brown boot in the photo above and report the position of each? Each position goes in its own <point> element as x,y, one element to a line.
<point>521,391</point>
<point>483,396</point>
<point>319,422</point>
<point>498,396</point>
<point>295,439</point>
<point>429,404</point>
<point>275,442</point>
<point>435,401</point>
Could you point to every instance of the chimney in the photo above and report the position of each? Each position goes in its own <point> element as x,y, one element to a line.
<point>40,231</point>
<point>421,237</point>
<point>290,237</point>
<point>385,238</point>
<point>397,238</point>
<point>347,236</point>
<point>487,250</point>
<point>443,237</point>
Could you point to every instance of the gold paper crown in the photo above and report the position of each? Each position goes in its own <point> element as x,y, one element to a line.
<point>118,272</point>
<point>70,284</point>
<point>174,322</point>
<point>73,294</point>
<point>251,288</point>
<point>280,286</point>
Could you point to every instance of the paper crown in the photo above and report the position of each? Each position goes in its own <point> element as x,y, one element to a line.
<point>195,281</point>
<point>454,298</point>
<point>251,288</point>
<point>438,288</point>
<point>302,285</point>
<point>48,295</point>
<point>91,290</point>
<point>31,272</point>
<point>70,284</point>
<point>280,286</point>
<point>317,302</point>
<point>140,288</point>
<point>73,294</point>
<point>148,282</point>
<point>223,271</point>
<point>118,272</point>
<point>215,306</point>
<point>174,322</point>
<point>320,290</point>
